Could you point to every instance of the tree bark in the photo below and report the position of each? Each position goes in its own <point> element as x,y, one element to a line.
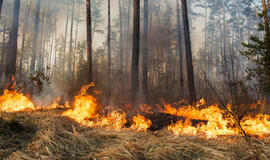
<point>89,40</point>
<point>191,83</point>
<point>145,51</point>
<point>35,37</point>
<point>135,52</point>
<point>65,43</point>
<point>266,23</point>
<point>70,42</point>
<point>27,14</point>
<point>3,49</point>
<point>1,5</point>
<point>181,74</point>
<point>109,45</point>
<point>121,37</point>
<point>13,41</point>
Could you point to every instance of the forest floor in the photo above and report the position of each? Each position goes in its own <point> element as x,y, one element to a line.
<point>48,135</point>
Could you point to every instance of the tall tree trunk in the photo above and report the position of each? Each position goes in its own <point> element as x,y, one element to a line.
<point>191,83</point>
<point>128,39</point>
<point>27,14</point>
<point>145,51</point>
<point>35,37</point>
<point>109,44</point>
<point>121,37</point>
<point>89,40</point>
<point>181,74</point>
<point>266,23</point>
<point>70,42</point>
<point>3,49</point>
<point>135,52</point>
<point>75,49</point>
<point>224,41</point>
<point>42,39</point>
<point>1,5</point>
<point>12,44</point>
<point>65,43</point>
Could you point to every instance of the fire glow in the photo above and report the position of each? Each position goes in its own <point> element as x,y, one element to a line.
<point>85,110</point>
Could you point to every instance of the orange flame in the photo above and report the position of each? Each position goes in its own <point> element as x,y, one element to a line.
<point>12,101</point>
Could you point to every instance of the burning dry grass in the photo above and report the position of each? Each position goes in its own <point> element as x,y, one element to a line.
<point>48,135</point>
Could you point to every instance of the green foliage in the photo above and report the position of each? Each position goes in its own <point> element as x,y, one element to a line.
<point>258,52</point>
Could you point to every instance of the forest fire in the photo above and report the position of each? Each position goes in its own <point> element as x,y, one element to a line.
<point>87,111</point>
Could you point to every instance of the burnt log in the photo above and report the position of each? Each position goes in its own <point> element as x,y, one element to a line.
<point>162,120</point>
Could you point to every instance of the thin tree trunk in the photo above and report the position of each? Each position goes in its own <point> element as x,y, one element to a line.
<point>75,49</point>
<point>89,40</point>
<point>136,52</point>
<point>224,41</point>
<point>191,83</point>
<point>27,14</point>
<point>65,43</point>
<point>266,23</point>
<point>181,74</point>
<point>13,41</point>
<point>35,37</point>
<point>109,45</point>
<point>128,39</point>
<point>121,37</point>
<point>42,39</point>
<point>70,42</point>
<point>145,51</point>
<point>3,49</point>
<point>1,5</point>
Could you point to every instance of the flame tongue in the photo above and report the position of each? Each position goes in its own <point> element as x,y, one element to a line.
<point>12,101</point>
<point>86,111</point>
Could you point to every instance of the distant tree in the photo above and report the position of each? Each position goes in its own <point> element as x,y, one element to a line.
<point>70,41</point>
<point>258,51</point>
<point>89,41</point>
<point>191,84</point>
<point>136,52</point>
<point>109,44</point>
<point>35,36</point>
<point>13,42</point>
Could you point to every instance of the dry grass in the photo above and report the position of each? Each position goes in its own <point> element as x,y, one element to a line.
<point>47,135</point>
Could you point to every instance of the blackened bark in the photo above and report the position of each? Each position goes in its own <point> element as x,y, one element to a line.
<point>135,52</point>
<point>181,74</point>
<point>191,83</point>
<point>12,44</point>
<point>1,5</point>
<point>145,51</point>
<point>89,40</point>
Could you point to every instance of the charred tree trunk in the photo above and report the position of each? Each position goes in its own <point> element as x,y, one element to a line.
<point>70,42</point>
<point>35,37</point>
<point>121,37</point>
<point>27,14</point>
<point>145,51</point>
<point>191,83</point>
<point>180,50</point>
<point>89,40</point>
<point>109,45</point>
<point>3,49</point>
<point>42,40</point>
<point>1,5</point>
<point>13,41</point>
<point>135,52</point>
